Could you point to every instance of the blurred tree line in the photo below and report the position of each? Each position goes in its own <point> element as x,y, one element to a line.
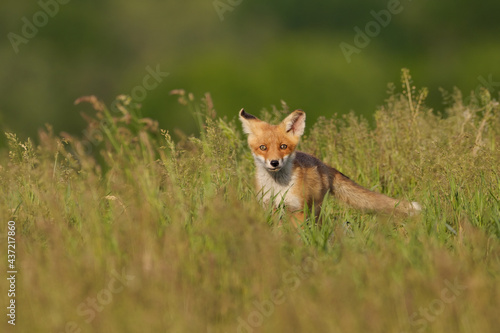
<point>250,54</point>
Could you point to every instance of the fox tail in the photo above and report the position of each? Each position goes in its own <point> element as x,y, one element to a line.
<point>356,196</point>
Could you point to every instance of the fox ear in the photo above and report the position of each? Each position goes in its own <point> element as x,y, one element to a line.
<point>247,119</point>
<point>295,123</point>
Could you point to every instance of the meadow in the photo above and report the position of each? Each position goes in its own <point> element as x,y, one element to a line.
<point>124,229</point>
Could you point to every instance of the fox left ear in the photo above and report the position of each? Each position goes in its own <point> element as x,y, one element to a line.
<point>295,123</point>
<point>247,120</point>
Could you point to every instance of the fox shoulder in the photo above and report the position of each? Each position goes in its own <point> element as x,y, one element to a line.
<point>310,163</point>
<point>307,161</point>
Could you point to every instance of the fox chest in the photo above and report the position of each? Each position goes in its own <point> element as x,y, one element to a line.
<point>278,191</point>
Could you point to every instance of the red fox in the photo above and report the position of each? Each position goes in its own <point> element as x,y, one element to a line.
<point>296,178</point>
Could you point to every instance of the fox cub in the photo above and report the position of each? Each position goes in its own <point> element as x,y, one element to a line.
<point>296,178</point>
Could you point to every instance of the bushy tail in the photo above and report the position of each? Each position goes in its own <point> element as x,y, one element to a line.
<point>361,198</point>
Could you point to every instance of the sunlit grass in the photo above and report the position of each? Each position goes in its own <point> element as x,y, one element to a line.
<point>180,222</point>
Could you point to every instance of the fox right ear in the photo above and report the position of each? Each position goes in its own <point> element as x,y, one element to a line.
<point>295,123</point>
<point>246,120</point>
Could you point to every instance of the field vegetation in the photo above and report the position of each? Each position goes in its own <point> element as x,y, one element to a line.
<point>125,229</point>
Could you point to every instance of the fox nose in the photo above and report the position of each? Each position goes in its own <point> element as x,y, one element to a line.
<point>274,163</point>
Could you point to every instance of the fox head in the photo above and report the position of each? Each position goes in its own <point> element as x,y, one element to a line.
<point>273,146</point>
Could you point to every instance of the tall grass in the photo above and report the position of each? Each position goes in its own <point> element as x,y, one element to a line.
<point>180,222</point>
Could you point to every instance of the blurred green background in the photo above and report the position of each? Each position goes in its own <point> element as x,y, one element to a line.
<point>246,53</point>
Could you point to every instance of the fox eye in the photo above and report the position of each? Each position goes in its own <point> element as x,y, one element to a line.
<point>263,147</point>
<point>283,146</point>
